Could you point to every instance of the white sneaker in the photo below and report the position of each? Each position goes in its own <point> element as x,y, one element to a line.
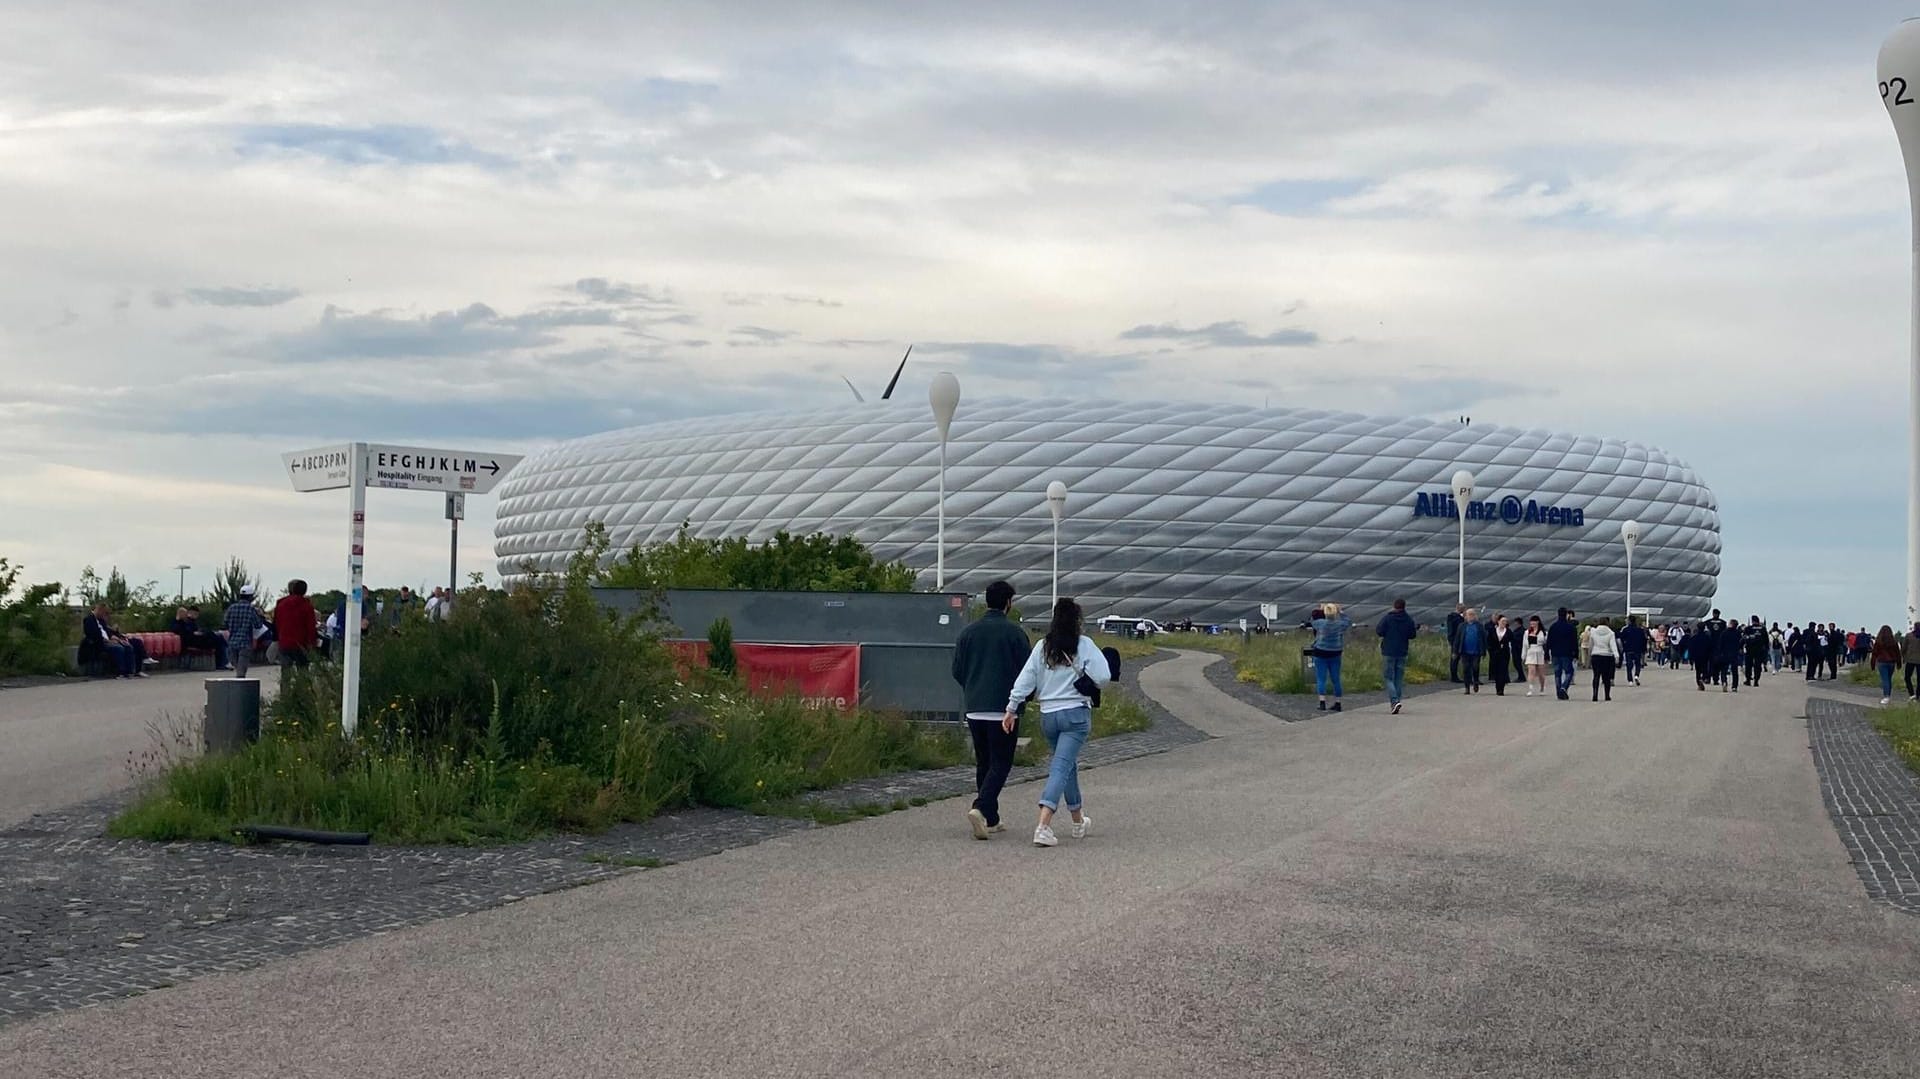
<point>1001,827</point>
<point>978,822</point>
<point>1083,827</point>
<point>1043,837</point>
<point>1884,701</point>
<point>1529,691</point>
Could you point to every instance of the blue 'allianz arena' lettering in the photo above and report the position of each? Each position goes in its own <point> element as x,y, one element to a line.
<point>1509,510</point>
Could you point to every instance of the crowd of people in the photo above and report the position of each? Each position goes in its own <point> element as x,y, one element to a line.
<point>293,627</point>
<point>1721,652</point>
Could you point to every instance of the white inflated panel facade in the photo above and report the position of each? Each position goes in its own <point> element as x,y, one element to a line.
<point>1175,510</point>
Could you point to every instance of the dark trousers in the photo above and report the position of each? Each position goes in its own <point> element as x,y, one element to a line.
<point>1470,670</point>
<point>1636,662</point>
<point>293,657</point>
<point>1602,675</point>
<point>1813,670</point>
<point>1913,679</point>
<point>124,658</point>
<point>1754,666</point>
<point>993,750</point>
<point>1500,668</point>
<point>1453,667</point>
<point>1833,665</point>
<point>1703,673</point>
<point>1727,673</point>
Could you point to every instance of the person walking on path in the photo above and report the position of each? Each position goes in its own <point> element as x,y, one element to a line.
<point>1503,654</point>
<point>243,622</point>
<point>1726,657</point>
<point>1836,647</point>
<point>1910,659</point>
<point>1563,645</point>
<point>1396,632</point>
<point>1754,644</point>
<point>986,662</point>
<point>1329,643</point>
<point>1053,675</point>
<point>1473,644</point>
<point>1454,620</point>
<point>1533,652</point>
<point>1603,651</point>
<point>295,626</point>
<point>1633,649</point>
<point>1815,644</point>
<point>1885,654</point>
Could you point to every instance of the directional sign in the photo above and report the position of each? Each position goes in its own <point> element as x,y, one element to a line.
<point>422,468</point>
<point>322,469</point>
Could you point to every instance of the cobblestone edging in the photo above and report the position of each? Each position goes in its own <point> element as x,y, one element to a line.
<point>1873,797</point>
<point>86,919</point>
<point>1296,708</point>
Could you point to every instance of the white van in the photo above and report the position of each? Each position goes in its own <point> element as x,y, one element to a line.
<point>1122,626</point>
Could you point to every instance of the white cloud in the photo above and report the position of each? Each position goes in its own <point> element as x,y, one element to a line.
<point>473,223</point>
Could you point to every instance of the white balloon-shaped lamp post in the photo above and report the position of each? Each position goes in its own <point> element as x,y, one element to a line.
<point>1057,504</point>
<point>944,396</point>
<point>1899,73</point>
<point>1630,535</point>
<point>1462,494</point>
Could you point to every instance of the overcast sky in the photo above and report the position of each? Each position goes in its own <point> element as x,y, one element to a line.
<point>229,233</point>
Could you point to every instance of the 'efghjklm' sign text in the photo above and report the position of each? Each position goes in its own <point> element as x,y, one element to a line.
<point>1509,510</point>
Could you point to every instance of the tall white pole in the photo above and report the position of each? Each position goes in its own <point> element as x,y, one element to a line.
<point>940,528</point>
<point>1056,505</point>
<point>356,587</point>
<point>1462,495</point>
<point>943,394</point>
<point>1899,75</point>
<point>1630,535</point>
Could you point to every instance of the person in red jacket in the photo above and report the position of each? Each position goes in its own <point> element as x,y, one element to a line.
<point>295,627</point>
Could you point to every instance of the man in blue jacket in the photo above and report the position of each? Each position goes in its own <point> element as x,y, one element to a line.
<point>1396,632</point>
<point>986,662</point>
<point>1563,645</point>
<point>1633,647</point>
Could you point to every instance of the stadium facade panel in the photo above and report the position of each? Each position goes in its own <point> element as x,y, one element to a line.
<point>1175,510</point>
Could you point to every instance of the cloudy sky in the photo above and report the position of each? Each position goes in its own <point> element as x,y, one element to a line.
<point>230,233</point>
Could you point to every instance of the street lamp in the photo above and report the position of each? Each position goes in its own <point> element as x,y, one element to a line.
<point>944,396</point>
<point>181,595</point>
<point>1462,494</point>
<point>1630,535</point>
<point>1899,69</point>
<point>1057,504</point>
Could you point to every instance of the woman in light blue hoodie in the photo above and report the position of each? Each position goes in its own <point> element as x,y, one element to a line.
<point>1051,676</point>
<point>1329,643</point>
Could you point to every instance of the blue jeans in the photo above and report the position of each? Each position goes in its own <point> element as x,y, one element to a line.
<point>1394,670</point>
<point>1326,672</point>
<point>1067,731</point>
<point>1563,674</point>
<point>1886,679</point>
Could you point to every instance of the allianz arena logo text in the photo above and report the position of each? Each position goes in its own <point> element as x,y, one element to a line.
<point>1509,510</point>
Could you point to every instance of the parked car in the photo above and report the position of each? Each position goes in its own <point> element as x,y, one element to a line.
<point>1123,626</point>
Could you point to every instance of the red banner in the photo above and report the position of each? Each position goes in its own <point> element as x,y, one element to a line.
<point>823,675</point>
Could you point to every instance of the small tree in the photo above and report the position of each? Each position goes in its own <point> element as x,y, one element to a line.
<point>117,593</point>
<point>228,582</point>
<point>33,627</point>
<point>720,655</point>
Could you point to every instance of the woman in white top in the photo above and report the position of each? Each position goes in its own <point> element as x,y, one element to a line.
<point>1605,654</point>
<point>1533,653</point>
<point>1066,714</point>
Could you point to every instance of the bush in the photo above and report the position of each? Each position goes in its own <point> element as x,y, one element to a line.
<point>720,657</point>
<point>815,563</point>
<point>35,629</point>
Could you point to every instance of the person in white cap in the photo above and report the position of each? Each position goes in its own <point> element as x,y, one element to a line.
<point>243,623</point>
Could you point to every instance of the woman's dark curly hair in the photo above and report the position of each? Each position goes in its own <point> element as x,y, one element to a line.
<point>1063,634</point>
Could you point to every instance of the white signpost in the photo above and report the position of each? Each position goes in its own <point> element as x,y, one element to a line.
<point>354,466</point>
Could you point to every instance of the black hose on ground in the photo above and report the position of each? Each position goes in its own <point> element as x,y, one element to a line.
<point>260,832</point>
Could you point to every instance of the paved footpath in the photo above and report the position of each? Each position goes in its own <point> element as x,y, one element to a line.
<point>67,743</point>
<point>1513,887</point>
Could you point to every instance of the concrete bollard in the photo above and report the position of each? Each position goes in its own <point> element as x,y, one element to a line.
<point>232,719</point>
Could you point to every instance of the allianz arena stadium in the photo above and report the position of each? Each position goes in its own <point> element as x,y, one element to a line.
<point>1175,511</point>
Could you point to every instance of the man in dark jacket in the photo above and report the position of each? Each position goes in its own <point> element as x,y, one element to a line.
<point>1726,658</point>
<point>102,643</point>
<point>1454,621</point>
<point>986,662</point>
<point>1563,647</point>
<point>1754,646</point>
<point>1396,632</point>
<point>1633,648</point>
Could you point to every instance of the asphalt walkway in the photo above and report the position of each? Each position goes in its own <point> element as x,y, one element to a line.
<point>74,741</point>
<point>1482,886</point>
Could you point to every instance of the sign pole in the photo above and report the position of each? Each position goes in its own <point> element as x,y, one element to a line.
<point>453,562</point>
<point>356,587</point>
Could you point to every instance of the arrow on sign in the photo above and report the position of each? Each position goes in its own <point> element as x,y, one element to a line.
<point>493,467</point>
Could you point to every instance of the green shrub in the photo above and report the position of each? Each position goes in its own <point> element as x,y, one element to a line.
<point>720,657</point>
<point>35,628</point>
<point>815,563</point>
